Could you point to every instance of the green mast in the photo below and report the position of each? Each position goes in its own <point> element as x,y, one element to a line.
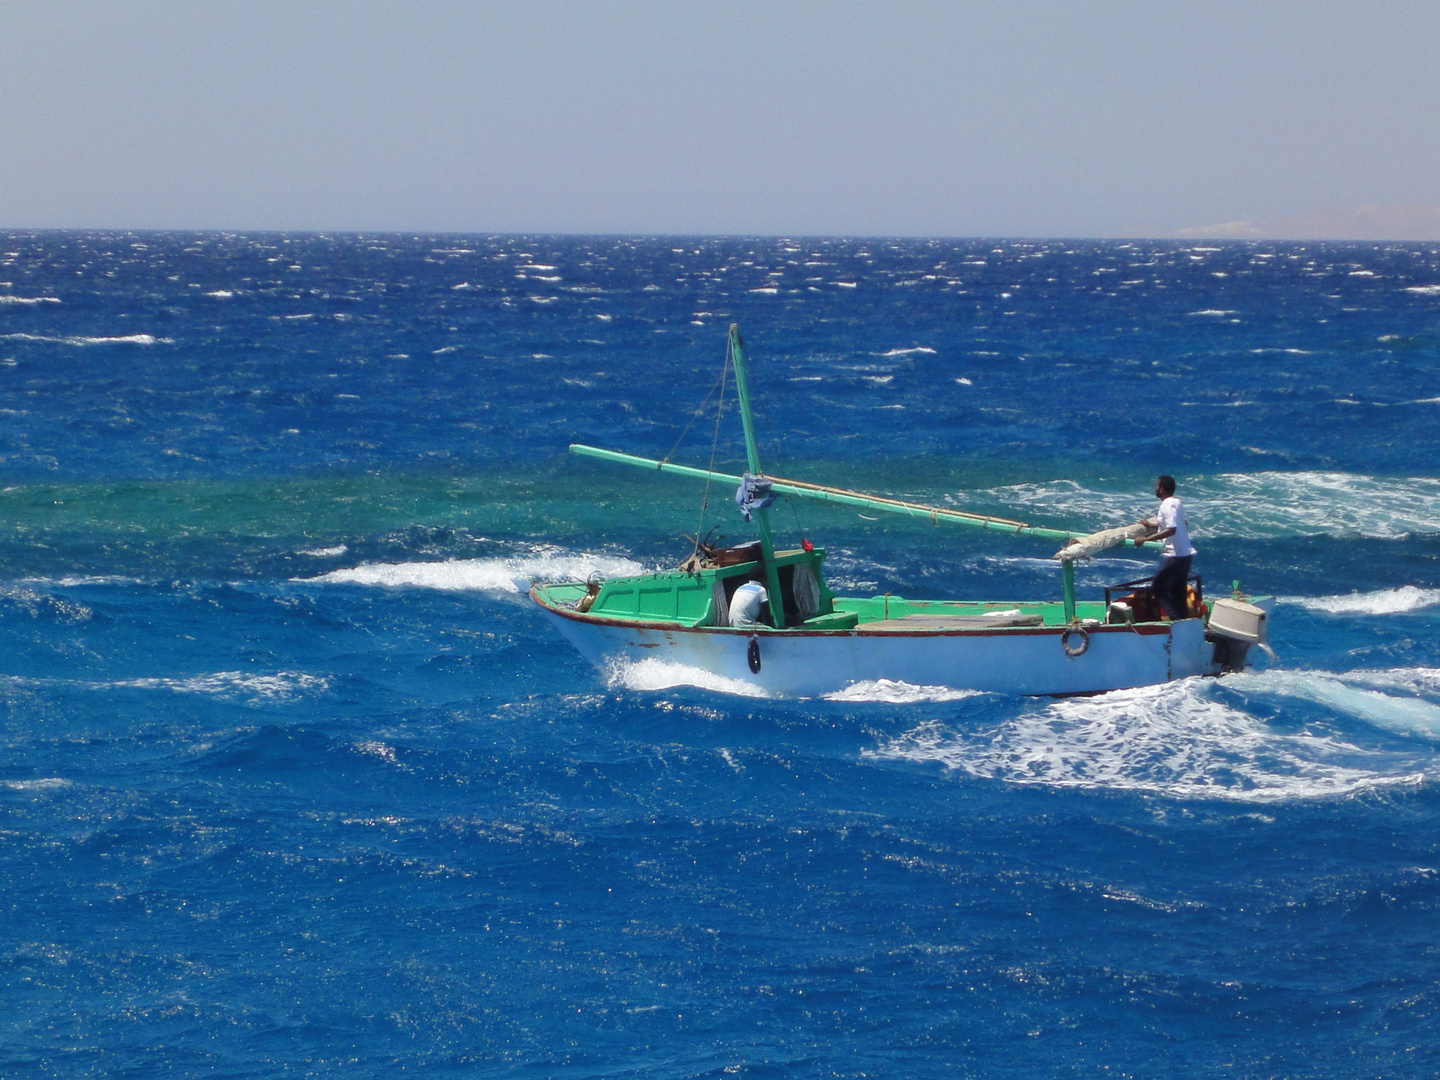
<point>736,351</point>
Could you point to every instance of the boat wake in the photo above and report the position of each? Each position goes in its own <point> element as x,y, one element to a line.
<point>890,692</point>
<point>1199,739</point>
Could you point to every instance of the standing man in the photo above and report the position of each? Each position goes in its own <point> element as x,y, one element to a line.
<point>1169,525</point>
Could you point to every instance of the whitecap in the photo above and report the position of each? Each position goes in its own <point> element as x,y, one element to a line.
<point>278,686</point>
<point>506,576</point>
<point>1258,505</point>
<point>907,352</point>
<point>74,581</point>
<point>1380,602</point>
<point>7,299</point>
<point>126,339</point>
<point>1424,290</point>
<point>325,553</point>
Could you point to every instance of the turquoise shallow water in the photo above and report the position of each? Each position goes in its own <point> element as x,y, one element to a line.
<point>295,781</point>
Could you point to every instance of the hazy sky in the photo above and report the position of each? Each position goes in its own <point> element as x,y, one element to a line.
<point>901,117</point>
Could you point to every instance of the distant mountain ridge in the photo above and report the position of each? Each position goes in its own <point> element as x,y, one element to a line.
<point>1398,222</point>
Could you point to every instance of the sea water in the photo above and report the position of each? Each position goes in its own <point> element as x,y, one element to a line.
<point>296,781</point>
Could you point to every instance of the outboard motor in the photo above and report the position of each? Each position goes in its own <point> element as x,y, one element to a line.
<point>1235,626</point>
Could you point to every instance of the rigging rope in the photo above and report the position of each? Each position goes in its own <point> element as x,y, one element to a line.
<point>714,446</point>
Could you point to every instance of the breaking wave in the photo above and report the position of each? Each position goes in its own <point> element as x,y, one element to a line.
<point>1382,602</point>
<point>511,575</point>
<point>126,339</point>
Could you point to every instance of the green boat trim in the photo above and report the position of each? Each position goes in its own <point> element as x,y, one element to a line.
<point>692,599</point>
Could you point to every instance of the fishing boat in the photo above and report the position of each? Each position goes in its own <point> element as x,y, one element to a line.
<point>763,618</point>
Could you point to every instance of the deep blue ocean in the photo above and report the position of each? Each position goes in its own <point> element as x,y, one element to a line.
<point>296,782</point>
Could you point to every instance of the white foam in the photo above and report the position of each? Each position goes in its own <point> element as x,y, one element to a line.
<point>1214,312</point>
<point>72,581</point>
<point>377,749</point>
<point>1382,602</point>
<point>1173,740</point>
<point>44,783</point>
<point>1261,505</point>
<point>279,686</point>
<point>512,575</point>
<point>1413,680</point>
<point>221,294</point>
<point>7,299</point>
<point>1405,713</point>
<point>908,352</point>
<point>1424,290</point>
<point>890,692</point>
<point>327,552</point>
<point>653,674</point>
<point>127,339</point>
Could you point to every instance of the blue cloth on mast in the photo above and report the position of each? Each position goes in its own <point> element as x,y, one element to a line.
<point>753,494</point>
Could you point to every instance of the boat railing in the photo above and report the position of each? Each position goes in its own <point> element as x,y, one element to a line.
<point>1124,588</point>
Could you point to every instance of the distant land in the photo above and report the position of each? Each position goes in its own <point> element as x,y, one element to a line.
<point>1360,223</point>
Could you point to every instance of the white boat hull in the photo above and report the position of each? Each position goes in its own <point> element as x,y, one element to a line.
<point>813,663</point>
